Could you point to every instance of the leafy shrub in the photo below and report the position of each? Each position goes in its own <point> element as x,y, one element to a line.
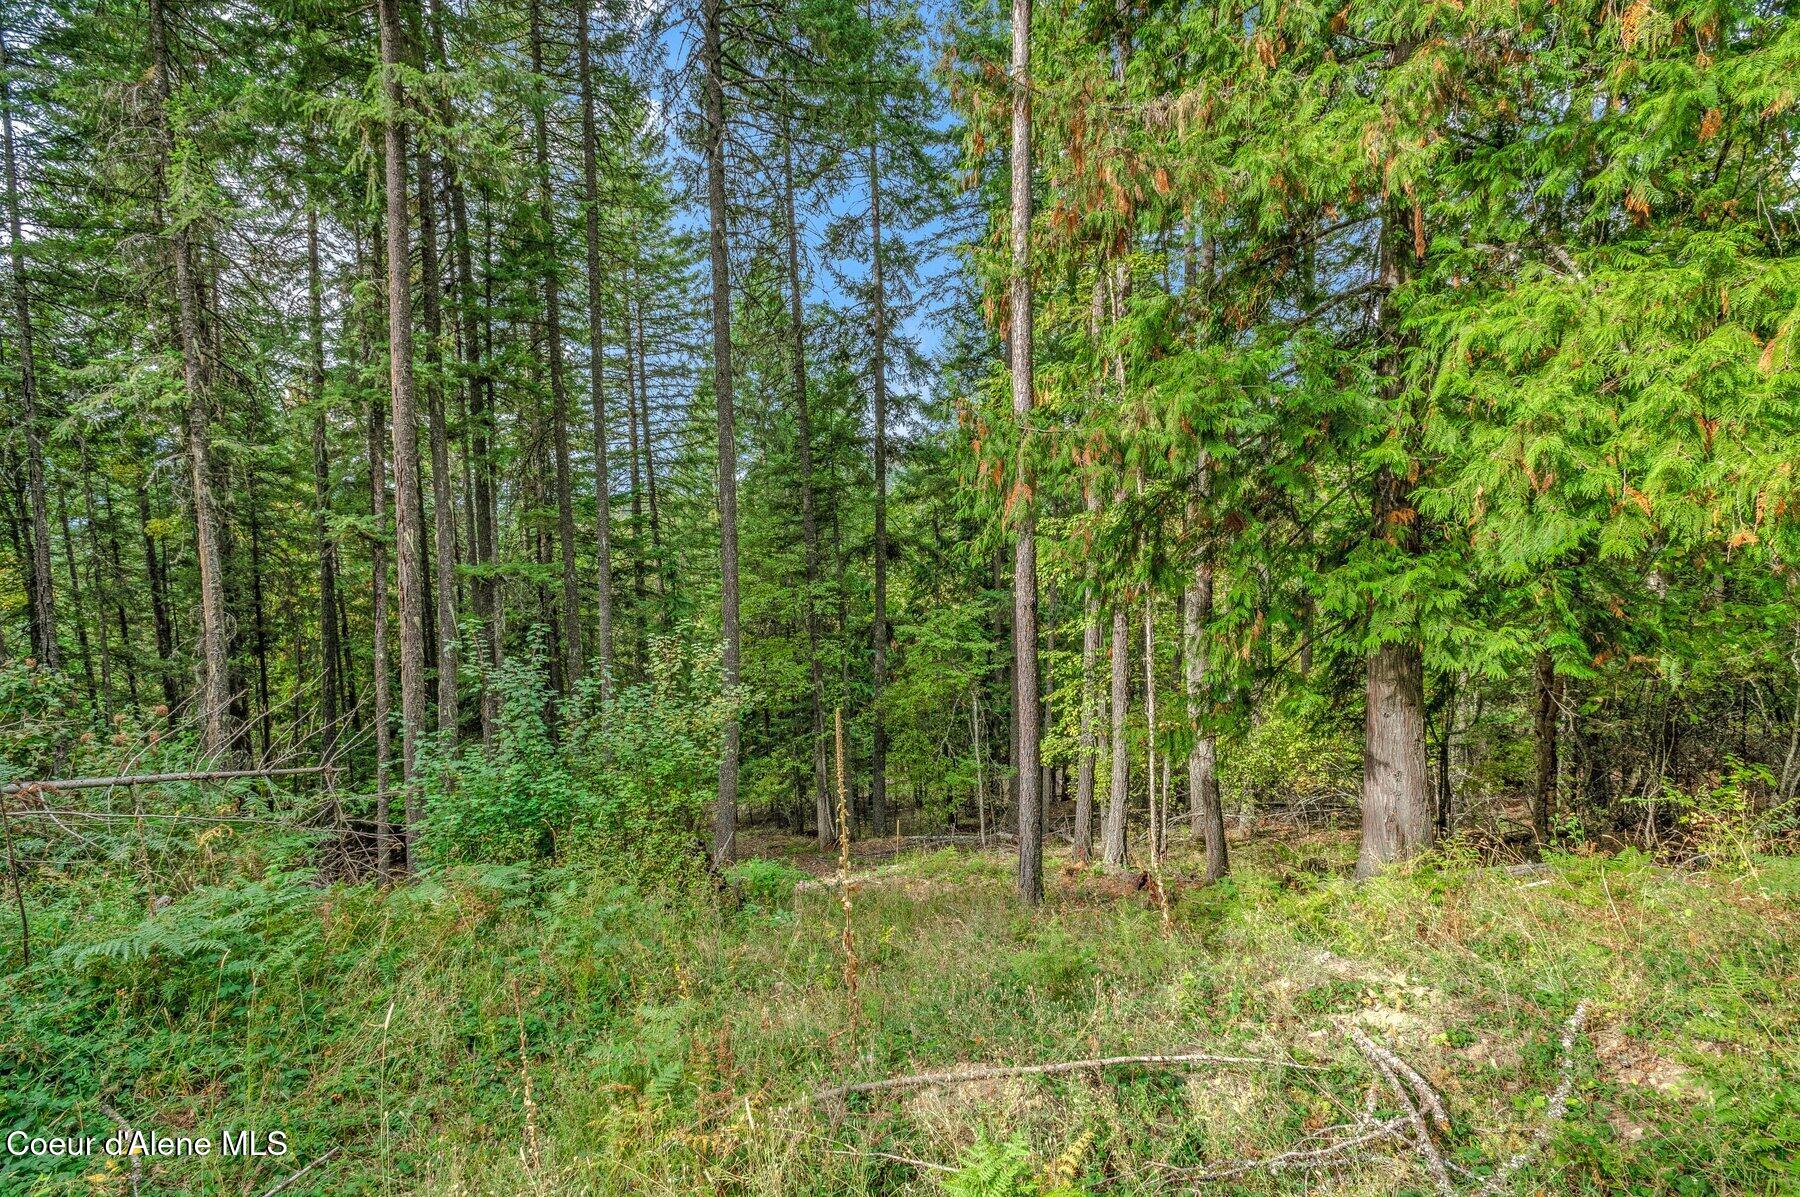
<point>646,761</point>
<point>1292,759</point>
<point>510,802</point>
<point>626,789</point>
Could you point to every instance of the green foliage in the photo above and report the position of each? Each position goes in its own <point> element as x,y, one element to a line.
<point>766,884</point>
<point>994,1168</point>
<point>509,803</point>
<point>625,788</point>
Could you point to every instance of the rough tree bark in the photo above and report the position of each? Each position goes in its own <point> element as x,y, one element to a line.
<point>443,502</point>
<point>809,523</point>
<point>1206,817</point>
<point>42,588</point>
<point>215,677</point>
<point>725,810</point>
<point>590,179</point>
<point>1025,663</point>
<point>409,518</point>
<point>321,465</point>
<point>1543,795</point>
<point>878,370</point>
<point>1113,833</point>
<point>559,398</point>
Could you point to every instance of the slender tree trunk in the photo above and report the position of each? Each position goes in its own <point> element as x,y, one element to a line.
<point>259,627</point>
<point>1206,816</point>
<point>643,407</point>
<point>1543,796</point>
<point>215,677</point>
<point>484,590</point>
<point>378,593</point>
<point>878,370</point>
<point>590,176</point>
<point>1025,664</point>
<point>410,523</point>
<point>1113,833</point>
<point>725,811</point>
<point>809,524</point>
<point>559,397</point>
<point>321,464</point>
<point>75,601</point>
<point>638,605</point>
<point>42,589</point>
<point>159,600</point>
<point>443,501</point>
<point>1090,698</point>
<point>1156,827</point>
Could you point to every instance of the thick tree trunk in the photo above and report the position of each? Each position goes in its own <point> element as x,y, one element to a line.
<point>1544,714</point>
<point>809,524</point>
<point>590,177</point>
<point>215,676</point>
<point>1025,663</point>
<point>1396,814</point>
<point>1396,796</point>
<point>1113,833</point>
<point>41,588</point>
<point>321,465</point>
<point>725,810</point>
<point>410,523</point>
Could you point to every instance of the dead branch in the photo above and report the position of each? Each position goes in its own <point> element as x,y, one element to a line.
<point>1554,1108</point>
<point>1427,1096</point>
<point>150,779</point>
<point>294,1176</point>
<point>1299,1158</point>
<point>1434,1160</point>
<point>997,1072</point>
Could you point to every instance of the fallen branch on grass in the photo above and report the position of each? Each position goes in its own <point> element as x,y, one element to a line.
<point>963,1076</point>
<point>1434,1159</point>
<point>1310,1157</point>
<point>1555,1107</point>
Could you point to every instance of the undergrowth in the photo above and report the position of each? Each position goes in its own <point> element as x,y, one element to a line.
<point>671,1038</point>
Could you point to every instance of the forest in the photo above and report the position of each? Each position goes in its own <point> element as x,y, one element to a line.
<point>900,596</point>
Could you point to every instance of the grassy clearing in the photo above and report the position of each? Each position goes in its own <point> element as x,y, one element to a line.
<point>668,1048</point>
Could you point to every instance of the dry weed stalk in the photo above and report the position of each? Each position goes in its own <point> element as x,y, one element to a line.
<point>848,938</point>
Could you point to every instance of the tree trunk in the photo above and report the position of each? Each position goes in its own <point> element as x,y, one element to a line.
<point>215,677</point>
<point>1206,817</point>
<point>590,176</point>
<point>410,524</point>
<point>559,397</point>
<point>159,600</point>
<point>443,501</point>
<point>725,811</point>
<point>1113,833</point>
<point>42,588</point>
<point>638,605</point>
<point>1396,797</point>
<point>1543,796</point>
<point>878,368</point>
<point>1156,824</point>
<point>656,550</point>
<point>321,464</point>
<point>1090,698</point>
<point>809,524</point>
<point>1025,663</point>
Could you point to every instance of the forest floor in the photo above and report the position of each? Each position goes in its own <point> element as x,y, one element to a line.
<point>1615,1023</point>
